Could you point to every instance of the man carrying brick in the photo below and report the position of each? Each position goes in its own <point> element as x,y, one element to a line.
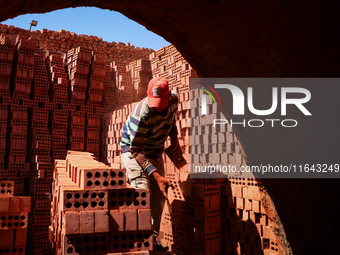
<point>143,137</point>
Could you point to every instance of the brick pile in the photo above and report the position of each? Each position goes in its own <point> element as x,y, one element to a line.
<point>22,68</point>
<point>109,87</point>
<point>40,120</point>
<point>13,220</point>
<point>64,41</point>
<point>93,210</point>
<point>206,215</point>
<point>168,63</point>
<point>140,73</point>
<point>124,84</point>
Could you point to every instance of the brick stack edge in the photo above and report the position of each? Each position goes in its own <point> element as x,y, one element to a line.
<point>217,215</point>
<point>93,210</point>
<point>51,102</point>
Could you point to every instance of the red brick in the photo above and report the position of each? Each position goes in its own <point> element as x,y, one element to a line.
<point>20,236</point>
<point>86,222</point>
<point>6,237</point>
<point>144,219</point>
<point>15,204</point>
<point>4,204</point>
<point>101,221</point>
<point>175,194</point>
<point>130,219</point>
<point>116,220</point>
<point>71,223</point>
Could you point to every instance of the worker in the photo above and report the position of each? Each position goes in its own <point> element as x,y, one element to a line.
<point>143,136</point>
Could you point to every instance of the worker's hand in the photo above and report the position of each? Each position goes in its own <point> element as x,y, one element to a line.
<point>162,182</point>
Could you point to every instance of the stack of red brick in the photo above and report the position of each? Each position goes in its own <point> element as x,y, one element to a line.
<point>217,215</point>
<point>78,62</point>
<point>168,63</point>
<point>94,212</point>
<point>140,73</point>
<point>58,77</point>
<point>13,220</point>
<point>23,68</point>
<point>7,45</point>
<point>96,80</point>
<point>109,88</point>
<point>123,82</point>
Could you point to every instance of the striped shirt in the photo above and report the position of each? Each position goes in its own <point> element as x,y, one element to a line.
<point>146,130</point>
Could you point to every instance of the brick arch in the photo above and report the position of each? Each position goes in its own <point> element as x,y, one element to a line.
<point>267,39</point>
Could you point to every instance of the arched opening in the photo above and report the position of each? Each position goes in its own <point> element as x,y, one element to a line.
<point>278,39</point>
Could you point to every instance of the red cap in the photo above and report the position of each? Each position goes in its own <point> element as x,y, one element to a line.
<point>158,92</point>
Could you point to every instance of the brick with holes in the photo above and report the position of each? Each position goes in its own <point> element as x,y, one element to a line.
<point>129,241</point>
<point>175,195</point>
<point>79,200</point>
<point>129,199</point>
<point>175,155</point>
<point>85,244</point>
<point>102,178</point>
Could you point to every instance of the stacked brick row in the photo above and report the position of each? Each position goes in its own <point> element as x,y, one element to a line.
<point>78,63</point>
<point>112,124</point>
<point>39,219</point>
<point>94,212</point>
<point>59,94</point>
<point>123,82</point>
<point>109,87</point>
<point>140,73</point>
<point>58,77</point>
<point>16,141</point>
<point>39,134</point>
<point>3,132</point>
<point>22,69</point>
<point>92,133</point>
<point>168,63</point>
<point>64,40</point>
<point>221,215</point>
<point>96,80</point>
<point>13,220</point>
<point>7,45</point>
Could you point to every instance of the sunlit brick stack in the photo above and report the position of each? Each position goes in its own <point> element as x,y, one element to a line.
<point>168,63</point>
<point>16,141</point>
<point>39,134</point>
<point>76,138</point>
<point>112,124</point>
<point>123,82</point>
<point>92,133</point>
<point>95,86</point>
<point>13,220</point>
<point>3,131</point>
<point>94,212</point>
<point>58,77</point>
<point>23,68</point>
<point>220,215</point>
<point>140,73</point>
<point>40,192</point>
<point>109,87</point>
<point>7,45</point>
<point>78,63</point>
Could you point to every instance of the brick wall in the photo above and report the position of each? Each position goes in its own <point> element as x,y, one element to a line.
<point>51,102</point>
<point>64,41</point>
